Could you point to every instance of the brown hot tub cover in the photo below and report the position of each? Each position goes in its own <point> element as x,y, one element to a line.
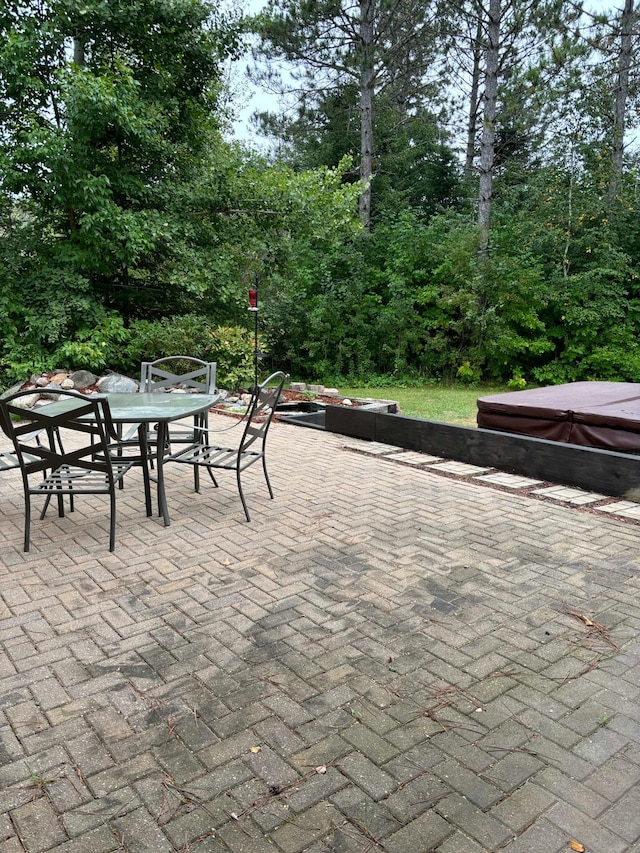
<point>595,414</point>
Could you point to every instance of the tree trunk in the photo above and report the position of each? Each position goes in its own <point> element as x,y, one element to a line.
<point>366,110</point>
<point>78,50</point>
<point>628,20</point>
<point>472,123</point>
<point>488,143</point>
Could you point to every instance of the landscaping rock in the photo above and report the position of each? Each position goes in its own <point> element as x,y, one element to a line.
<point>13,390</point>
<point>115,383</point>
<point>50,392</point>
<point>27,402</point>
<point>83,379</point>
<point>375,406</point>
<point>86,382</point>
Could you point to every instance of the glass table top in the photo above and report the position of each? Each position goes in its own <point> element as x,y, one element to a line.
<point>143,408</point>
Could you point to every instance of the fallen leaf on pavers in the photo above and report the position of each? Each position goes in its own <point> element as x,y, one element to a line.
<point>227,562</point>
<point>575,845</point>
<point>322,768</point>
<point>256,749</point>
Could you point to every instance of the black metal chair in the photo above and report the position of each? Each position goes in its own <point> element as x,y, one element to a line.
<point>138,444</point>
<point>47,469</point>
<point>178,372</point>
<point>252,446</point>
<point>181,373</point>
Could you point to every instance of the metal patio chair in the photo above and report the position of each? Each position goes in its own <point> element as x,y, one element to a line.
<point>47,469</point>
<point>181,373</point>
<point>9,460</point>
<point>252,446</point>
<point>178,372</point>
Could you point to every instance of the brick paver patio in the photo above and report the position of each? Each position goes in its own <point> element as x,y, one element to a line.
<point>386,659</point>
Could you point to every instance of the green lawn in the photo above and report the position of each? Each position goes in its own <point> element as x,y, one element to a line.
<point>449,404</point>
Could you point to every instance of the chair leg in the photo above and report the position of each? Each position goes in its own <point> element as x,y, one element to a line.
<point>244,503</point>
<point>27,522</point>
<point>146,479</point>
<point>266,476</point>
<point>163,509</point>
<point>213,479</point>
<point>46,505</point>
<point>112,521</point>
<point>60,505</point>
<point>71,505</point>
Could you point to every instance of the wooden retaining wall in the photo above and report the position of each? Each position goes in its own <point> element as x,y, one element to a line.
<point>603,471</point>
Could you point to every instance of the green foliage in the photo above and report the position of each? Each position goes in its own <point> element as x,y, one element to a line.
<point>352,63</point>
<point>411,299</point>
<point>96,347</point>
<point>43,304</point>
<point>517,382</point>
<point>231,347</point>
<point>96,154</point>
<point>415,168</point>
<point>468,374</point>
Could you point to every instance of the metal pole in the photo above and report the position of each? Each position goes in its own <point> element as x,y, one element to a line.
<point>253,307</point>
<point>255,348</point>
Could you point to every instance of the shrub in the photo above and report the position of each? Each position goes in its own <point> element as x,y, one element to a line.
<point>94,348</point>
<point>231,347</point>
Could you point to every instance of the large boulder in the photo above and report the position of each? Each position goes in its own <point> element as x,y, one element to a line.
<point>114,383</point>
<point>29,401</point>
<point>83,379</point>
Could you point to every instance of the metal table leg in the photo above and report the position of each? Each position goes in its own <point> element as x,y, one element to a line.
<point>144,454</point>
<point>163,509</point>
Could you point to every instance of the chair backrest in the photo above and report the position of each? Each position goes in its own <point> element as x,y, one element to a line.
<point>178,371</point>
<point>88,417</point>
<point>262,409</point>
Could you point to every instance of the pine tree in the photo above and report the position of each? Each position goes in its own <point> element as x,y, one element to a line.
<point>377,49</point>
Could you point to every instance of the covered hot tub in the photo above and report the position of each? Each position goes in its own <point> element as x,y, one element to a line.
<point>592,414</point>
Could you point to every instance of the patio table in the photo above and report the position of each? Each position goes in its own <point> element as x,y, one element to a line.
<point>145,409</point>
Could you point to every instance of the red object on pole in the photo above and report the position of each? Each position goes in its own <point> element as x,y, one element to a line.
<point>253,299</point>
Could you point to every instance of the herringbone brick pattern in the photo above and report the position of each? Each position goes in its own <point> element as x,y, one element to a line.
<point>385,659</point>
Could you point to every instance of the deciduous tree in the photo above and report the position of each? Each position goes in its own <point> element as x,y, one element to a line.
<point>106,114</point>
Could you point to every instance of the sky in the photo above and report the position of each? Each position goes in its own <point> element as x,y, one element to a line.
<point>247,97</point>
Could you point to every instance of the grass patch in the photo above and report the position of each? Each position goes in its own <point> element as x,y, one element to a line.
<point>447,404</point>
